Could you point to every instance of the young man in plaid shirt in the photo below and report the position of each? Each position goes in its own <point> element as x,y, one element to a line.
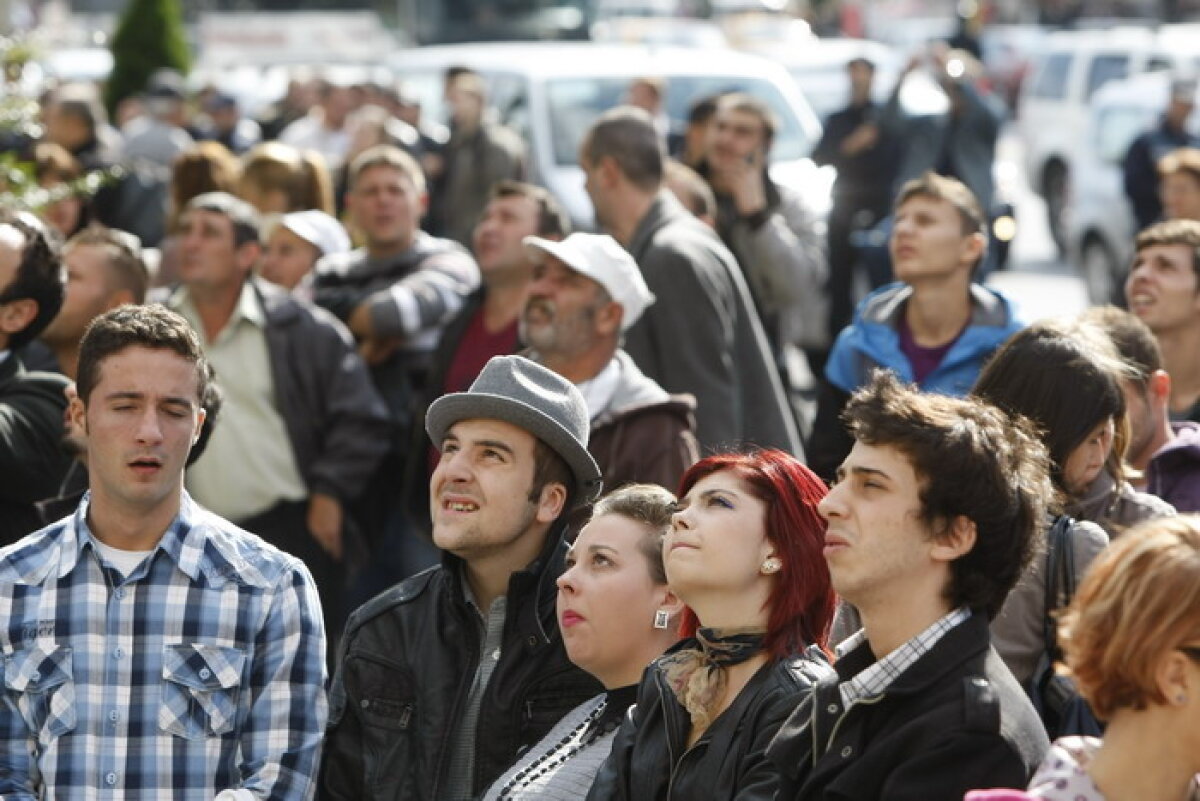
<point>150,648</point>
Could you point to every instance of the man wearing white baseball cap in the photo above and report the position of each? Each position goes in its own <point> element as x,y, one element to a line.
<point>586,293</point>
<point>296,244</point>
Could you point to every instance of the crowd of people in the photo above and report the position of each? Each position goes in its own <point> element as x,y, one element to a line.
<point>334,463</point>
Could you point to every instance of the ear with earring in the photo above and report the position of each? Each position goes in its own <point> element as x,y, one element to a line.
<point>662,618</point>
<point>771,565</point>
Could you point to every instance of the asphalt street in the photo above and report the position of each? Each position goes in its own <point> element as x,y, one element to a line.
<point>1042,283</point>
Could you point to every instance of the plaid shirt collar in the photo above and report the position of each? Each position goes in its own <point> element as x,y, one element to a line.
<point>195,546</point>
<point>875,680</point>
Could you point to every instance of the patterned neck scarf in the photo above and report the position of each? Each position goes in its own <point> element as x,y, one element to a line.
<point>695,674</point>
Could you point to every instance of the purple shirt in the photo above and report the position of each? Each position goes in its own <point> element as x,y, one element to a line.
<point>923,360</point>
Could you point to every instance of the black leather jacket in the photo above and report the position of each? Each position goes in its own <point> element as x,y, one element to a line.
<point>954,721</point>
<point>408,659</point>
<point>651,760</point>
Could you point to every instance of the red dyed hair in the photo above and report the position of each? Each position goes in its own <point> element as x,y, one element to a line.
<point>802,600</point>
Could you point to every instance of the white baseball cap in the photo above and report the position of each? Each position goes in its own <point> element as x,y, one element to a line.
<point>601,258</point>
<point>319,229</point>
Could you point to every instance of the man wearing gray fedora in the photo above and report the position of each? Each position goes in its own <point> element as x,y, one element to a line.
<point>444,678</point>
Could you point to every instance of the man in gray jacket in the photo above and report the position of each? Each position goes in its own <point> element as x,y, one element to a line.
<point>703,335</point>
<point>768,227</point>
<point>302,427</point>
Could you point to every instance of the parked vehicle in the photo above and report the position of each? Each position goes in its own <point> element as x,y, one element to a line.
<point>819,69</point>
<point>1099,225</point>
<point>551,93</point>
<point>1055,102</point>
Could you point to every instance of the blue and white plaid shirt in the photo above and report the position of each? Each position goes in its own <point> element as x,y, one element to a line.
<point>202,671</point>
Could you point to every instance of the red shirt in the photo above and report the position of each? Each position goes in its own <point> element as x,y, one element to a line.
<point>477,346</point>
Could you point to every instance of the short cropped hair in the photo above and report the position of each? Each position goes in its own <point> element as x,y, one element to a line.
<point>1185,160</point>
<point>973,460</point>
<point>126,269</point>
<point>54,162</point>
<point>650,505</point>
<point>699,199</point>
<point>1139,600</point>
<point>553,221</point>
<point>1135,342</point>
<point>40,276</point>
<point>749,104</point>
<point>627,135</point>
<point>241,215</point>
<point>385,156</point>
<point>1173,232</point>
<point>549,467</point>
<point>81,102</point>
<point>155,327</point>
<point>952,191</point>
<point>701,111</point>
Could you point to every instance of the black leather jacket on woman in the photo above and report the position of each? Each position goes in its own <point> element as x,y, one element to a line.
<point>650,758</point>
<point>408,660</point>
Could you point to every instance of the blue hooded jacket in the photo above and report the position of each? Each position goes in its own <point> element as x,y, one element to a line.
<point>873,340</point>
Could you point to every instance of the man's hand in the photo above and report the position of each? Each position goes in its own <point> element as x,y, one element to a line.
<point>747,185</point>
<point>359,322</point>
<point>325,523</point>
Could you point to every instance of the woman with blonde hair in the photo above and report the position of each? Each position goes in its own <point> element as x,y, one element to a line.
<point>278,179</point>
<point>1132,643</point>
<point>616,615</point>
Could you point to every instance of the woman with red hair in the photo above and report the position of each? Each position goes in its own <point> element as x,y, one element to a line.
<point>744,555</point>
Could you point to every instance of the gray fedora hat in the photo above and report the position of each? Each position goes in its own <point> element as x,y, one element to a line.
<point>518,391</point>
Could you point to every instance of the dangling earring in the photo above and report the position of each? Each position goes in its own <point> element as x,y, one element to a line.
<point>661,619</point>
<point>771,565</point>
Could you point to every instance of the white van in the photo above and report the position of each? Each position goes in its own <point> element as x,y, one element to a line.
<point>1099,225</point>
<point>551,93</point>
<point>1055,101</point>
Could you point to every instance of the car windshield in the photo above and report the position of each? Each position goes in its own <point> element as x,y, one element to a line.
<point>574,104</point>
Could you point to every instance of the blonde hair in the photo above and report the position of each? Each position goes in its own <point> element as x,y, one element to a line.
<point>301,175</point>
<point>1139,601</point>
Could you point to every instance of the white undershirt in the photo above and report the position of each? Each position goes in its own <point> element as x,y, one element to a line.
<point>4,355</point>
<point>598,391</point>
<point>124,561</point>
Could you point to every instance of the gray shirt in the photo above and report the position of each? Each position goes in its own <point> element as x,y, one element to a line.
<point>462,757</point>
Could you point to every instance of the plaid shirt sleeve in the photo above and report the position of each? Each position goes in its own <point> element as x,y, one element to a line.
<point>281,742</point>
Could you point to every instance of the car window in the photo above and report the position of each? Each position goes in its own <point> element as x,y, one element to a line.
<point>1105,68</point>
<point>1051,82</point>
<point>575,103</point>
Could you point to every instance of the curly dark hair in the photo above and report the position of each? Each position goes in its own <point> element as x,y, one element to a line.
<point>974,461</point>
